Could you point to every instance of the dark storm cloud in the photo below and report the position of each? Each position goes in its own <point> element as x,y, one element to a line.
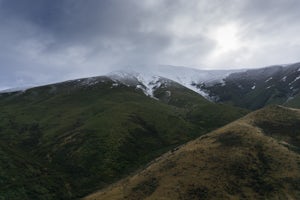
<point>51,40</point>
<point>80,21</point>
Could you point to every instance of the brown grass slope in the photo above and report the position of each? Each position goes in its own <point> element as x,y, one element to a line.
<point>256,157</point>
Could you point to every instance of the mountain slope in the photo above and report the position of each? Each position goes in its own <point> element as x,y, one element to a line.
<point>256,157</point>
<point>185,76</point>
<point>91,132</point>
<point>256,88</point>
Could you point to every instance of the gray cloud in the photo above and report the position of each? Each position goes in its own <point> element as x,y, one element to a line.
<point>44,41</point>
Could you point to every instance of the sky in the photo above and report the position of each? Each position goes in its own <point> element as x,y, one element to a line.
<point>45,41</point>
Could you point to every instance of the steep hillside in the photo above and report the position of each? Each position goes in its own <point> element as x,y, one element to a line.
<point>78,136</point>
<point>256,157</point>
<point>256,88</point>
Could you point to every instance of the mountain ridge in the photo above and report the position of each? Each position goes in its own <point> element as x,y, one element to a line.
<point>247,88</point>
<point>185,76</point>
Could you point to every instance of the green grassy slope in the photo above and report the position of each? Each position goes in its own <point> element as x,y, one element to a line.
<point>255,157</point>
<point>90,136</point>
<point>21,177</point>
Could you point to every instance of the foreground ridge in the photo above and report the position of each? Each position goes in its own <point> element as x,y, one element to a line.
<point>256,157</point>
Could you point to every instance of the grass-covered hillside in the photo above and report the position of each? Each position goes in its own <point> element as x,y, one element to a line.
<point>256,157</point>
<point>65,140</point>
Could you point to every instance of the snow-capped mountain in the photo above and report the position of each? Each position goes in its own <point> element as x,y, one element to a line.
<point>149,78</point>
<point>251,89</point>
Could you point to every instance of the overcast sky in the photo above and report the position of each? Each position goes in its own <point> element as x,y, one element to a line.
<point>52,40</point>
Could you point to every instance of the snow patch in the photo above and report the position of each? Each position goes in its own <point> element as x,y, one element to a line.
<point>114,85</point>
<point>253,87</point>
<point>284,79</point>
<point>268,79</point>
<point>296,79</point>
<point>168,93</point>
<point>140,87</point>
<point>150,83</point>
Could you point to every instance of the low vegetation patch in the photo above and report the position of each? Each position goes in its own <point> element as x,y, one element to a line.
<point>230,139</point>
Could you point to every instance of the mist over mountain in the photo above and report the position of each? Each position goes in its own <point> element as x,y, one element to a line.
<point>247,88</point>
